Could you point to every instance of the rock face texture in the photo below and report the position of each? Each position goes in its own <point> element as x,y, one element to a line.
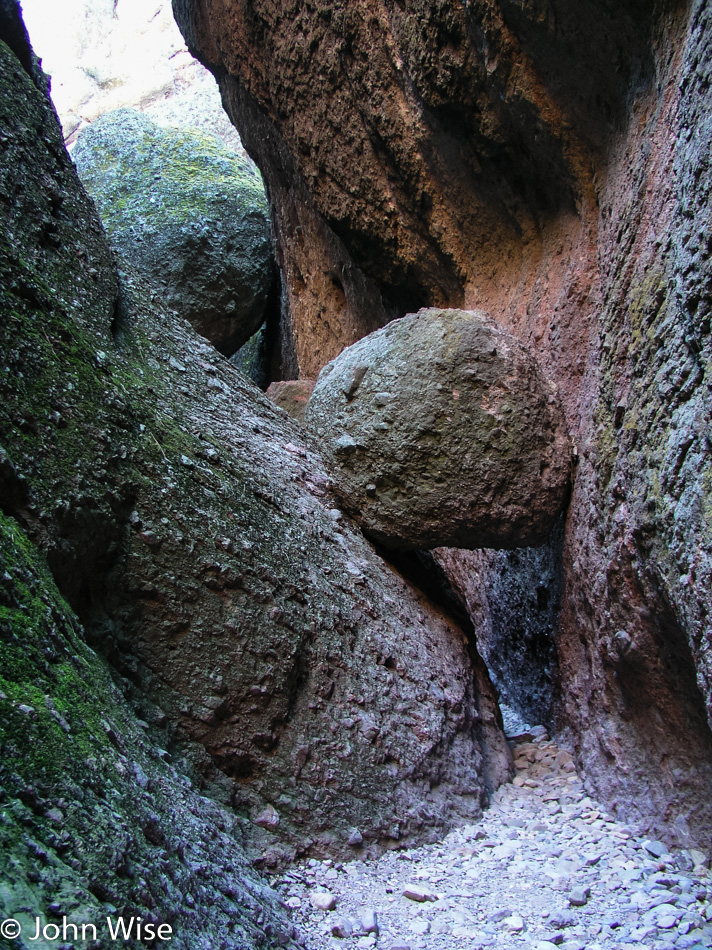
<point>292,396</point>
<point>189,524</point>
<point>545,162</point>
<point>440,429</point>
<point>100,817</point>
<point>190,215</point>
<point>105,55</point>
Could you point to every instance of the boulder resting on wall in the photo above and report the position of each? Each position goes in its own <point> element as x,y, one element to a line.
<point>441,430</point>
<point>548,163</point>
<point>190,525</point>
<point>189,214</point>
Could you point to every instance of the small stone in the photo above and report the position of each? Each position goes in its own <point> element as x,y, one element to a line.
<point>323,900</point>
<point>420,926</point>
<point>499,915</point>
<point>513,924</point>
<point>666,921</point>
<point>268,818</point>
<point>368,920</point>
<point>355,838</point>
<point>342,928</point>
<point>656,848</point>
<point>415,892</point>
<point>345,445</point>
<point>579,896</point>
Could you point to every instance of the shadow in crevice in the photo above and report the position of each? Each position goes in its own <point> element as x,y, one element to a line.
<point>508,604</point>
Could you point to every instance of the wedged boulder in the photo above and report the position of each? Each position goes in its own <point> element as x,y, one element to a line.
<point>493,158</point>
<point>190,526</point>
<point>189,214</point>
<point>441,429</point>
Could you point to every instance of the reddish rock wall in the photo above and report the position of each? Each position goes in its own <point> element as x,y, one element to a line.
<point>544,161</point>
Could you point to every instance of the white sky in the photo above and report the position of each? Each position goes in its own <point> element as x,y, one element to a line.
<point>103,55</point>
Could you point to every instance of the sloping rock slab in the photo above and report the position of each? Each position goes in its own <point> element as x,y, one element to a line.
<point>93,815</point>
<point>442,430</point>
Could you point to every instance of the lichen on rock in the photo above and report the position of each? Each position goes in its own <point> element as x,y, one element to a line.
<point>189,214</point>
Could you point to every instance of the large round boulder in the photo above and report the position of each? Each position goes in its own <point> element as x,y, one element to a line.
<point>189,214</point>
<point>441,430</point>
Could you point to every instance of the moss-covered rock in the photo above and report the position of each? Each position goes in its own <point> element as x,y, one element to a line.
<point>95,823</point>
<point>189,214</point>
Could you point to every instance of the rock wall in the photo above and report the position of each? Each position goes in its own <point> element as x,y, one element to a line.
<point>96,821</point>
<point>546,162</point>
<point>189,524</point>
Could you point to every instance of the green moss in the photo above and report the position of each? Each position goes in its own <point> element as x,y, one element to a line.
<point>646,305</point>
<point>45,667</point>
<point>136,170</point>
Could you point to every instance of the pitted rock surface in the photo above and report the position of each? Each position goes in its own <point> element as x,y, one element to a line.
<point>189,214</point>
<point>292,395</point>
<point>190,525</point>
<point>442,430</point>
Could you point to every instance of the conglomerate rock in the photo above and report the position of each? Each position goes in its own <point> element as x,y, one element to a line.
<point>93,817</point>
<point>190,215</point>
<point>440,429</point>
<point>546,162</point>
<point>190,526</point>
<point>292,395</point>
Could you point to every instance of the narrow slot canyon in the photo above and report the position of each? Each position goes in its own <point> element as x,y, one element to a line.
<point>356,474</point>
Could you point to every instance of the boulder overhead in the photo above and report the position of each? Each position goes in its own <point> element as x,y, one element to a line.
<point>442,430</point>
<point>189,214</point>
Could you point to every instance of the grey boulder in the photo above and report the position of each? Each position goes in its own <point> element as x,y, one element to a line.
<point>190,215</point>
<point>441,429</point>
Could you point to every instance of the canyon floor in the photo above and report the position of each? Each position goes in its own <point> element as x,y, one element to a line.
<point>546,867</point>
